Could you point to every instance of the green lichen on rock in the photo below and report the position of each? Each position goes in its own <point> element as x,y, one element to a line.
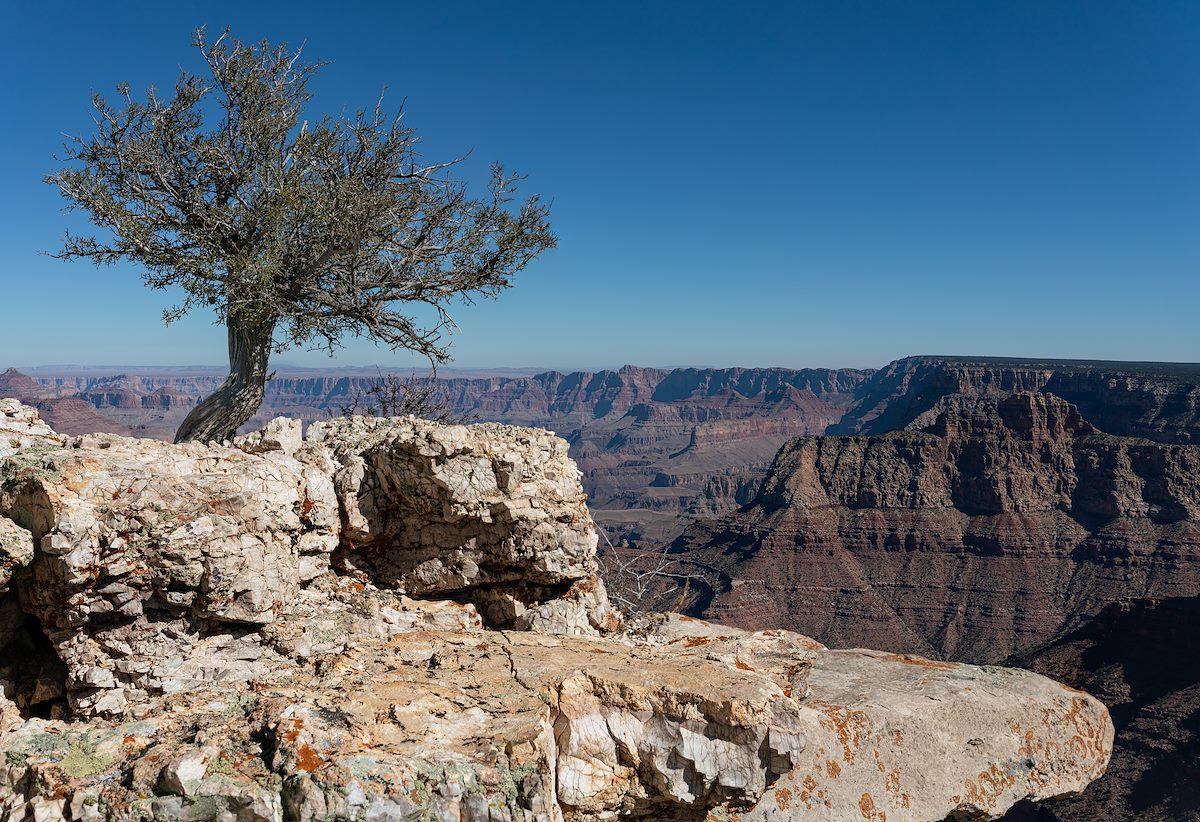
<point>44,462</point>
<point>512,780</point>
<point>240,705</point>
<point>82,760</point>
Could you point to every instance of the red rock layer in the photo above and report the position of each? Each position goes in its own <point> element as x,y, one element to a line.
<point>978,539</point>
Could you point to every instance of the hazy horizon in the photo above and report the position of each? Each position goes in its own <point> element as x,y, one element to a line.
<point>286,366</point>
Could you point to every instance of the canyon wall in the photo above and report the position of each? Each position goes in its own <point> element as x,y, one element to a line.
<point>1157,401</point>
<point>1004,523</point>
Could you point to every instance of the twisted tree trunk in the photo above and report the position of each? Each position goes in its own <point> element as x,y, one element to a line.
<point>220,415</point>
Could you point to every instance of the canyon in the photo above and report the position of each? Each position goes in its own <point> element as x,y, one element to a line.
<point>400,619</point>
<point>981,537</point>
<point>1156,401</point>
<point>967,510</point>
<point>983,510</point>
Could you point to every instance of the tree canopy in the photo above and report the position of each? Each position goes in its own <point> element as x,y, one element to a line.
<point>294,232</point>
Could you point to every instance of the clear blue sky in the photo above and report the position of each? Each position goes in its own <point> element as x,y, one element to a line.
<point>797,184</point>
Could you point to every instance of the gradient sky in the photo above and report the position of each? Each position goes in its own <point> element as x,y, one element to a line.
<point>796,184</point>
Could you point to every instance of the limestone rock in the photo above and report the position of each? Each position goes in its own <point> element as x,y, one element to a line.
<point>441,509</point>
<point>21,427</point>
<point>280,434</point>
<point>182,776</point>
<point>16,550</point>
<point>896,737</point>
<point>146,550</point>
<point>461,724</point>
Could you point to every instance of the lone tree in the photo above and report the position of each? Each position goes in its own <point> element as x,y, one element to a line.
<point>295,233</point>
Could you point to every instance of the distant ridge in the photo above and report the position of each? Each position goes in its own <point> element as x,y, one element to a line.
<point>1154,400</point>
<point>1183,369</point>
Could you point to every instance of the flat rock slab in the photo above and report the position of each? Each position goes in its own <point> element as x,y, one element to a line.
<point>484,725</point>
<point>895,737</point>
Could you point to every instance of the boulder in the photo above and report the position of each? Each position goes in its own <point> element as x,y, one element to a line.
<point>151,555</point>
<point>492,513</point>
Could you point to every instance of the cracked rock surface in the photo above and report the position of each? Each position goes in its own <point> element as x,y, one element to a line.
<point>399,620</point>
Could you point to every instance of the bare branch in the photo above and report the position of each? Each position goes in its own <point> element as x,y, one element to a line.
<point>394,396</point>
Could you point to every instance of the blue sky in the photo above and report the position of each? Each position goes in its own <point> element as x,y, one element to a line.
<point>795,184</point>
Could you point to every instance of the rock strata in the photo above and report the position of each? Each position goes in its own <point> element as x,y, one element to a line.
<point>1002,523</point>
<point>394,619</point>
<point>1157,401</point>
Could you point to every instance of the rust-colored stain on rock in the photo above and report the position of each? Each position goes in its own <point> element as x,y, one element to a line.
<point>922,662</point>
<point>307,759</point>
<point>866,807</point>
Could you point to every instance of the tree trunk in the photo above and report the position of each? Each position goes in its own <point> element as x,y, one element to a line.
<point>222,413</point>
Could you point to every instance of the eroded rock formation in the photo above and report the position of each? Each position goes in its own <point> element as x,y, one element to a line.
<point>394,619</point>
<point>981,537</point>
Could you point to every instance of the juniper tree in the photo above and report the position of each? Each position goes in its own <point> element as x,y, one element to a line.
<point>294,232</point>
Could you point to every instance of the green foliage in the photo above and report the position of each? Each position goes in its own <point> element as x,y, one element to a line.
<point>311,228</point>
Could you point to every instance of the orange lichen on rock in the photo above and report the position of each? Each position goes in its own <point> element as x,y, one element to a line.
<point>985,789</point>
<point>810,785</point>
<point>866,807</point>
<point>307,759</point>
<point>847,723</point>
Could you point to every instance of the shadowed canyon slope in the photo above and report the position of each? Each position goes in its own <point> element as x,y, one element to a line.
<point>1142,659</point>
<point>981,537</point>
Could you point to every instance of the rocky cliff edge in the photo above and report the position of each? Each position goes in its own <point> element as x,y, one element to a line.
<point>398,620</point>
